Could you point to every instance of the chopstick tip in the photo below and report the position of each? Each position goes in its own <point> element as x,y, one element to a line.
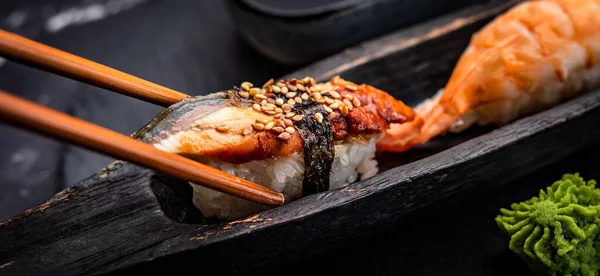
<point>278,199</point>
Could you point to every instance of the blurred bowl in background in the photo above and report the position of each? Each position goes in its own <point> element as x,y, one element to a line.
<point>298,32</point>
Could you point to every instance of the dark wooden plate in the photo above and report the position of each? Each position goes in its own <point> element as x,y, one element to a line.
<point>127,219</point>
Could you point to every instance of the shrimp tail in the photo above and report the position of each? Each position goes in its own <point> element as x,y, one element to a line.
<point>401,137</point>
<point>432,120</point>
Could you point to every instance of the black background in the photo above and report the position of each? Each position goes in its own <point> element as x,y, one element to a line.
<point>191,46</point>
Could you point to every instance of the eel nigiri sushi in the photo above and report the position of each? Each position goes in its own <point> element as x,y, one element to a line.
<point>530,58</point>
<point>294,136</point>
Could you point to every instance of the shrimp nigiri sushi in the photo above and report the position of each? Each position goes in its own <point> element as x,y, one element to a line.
<point>530,58</point>
<point>297,137</point>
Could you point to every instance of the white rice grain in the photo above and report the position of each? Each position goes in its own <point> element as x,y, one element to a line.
<point>353,158</point>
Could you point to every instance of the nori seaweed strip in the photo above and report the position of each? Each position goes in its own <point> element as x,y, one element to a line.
<point>318,147</point>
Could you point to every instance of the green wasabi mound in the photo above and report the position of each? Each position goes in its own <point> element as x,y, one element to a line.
<point>557,232</point>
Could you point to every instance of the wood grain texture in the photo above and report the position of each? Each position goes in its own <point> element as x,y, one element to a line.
<point>113,223</point>
<point>32,53</point>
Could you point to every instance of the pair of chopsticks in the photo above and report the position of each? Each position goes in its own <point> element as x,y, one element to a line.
<point>37,118</point>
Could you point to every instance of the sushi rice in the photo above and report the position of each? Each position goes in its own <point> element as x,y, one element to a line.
<point>354,159</point>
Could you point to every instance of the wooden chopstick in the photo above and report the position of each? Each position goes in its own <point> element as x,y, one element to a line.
<point>22,50</point>
<point>37,118</point>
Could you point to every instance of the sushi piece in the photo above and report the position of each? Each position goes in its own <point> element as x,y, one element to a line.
<point>532,57</point>
<point>297,137</point>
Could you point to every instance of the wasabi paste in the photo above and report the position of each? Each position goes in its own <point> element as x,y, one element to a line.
<point>557,232</point>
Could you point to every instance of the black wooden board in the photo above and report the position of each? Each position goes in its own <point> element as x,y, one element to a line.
<point>113,222</point>
<point>456,236</point>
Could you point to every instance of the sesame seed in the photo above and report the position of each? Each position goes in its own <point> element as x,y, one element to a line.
<point>298,117</point>
<point>328,109</point>
<point>279,101</point>
<point>334,94</point>
<point>280,84</point>
<point>247,130</point>
<point>304,96</point>
<point>329,100</point>
<point>319,117</point>
<point>284,90</point>
<point>315,88</point>
<point>260,96</point>
<point>288,122</point>
<point>312,81</point>
<point>267,107</point>
<point>263,102</point>
<point>333,115</point>
<point>286,107</point>
<point>278,129</point>
<point>275,88</point>
<point>290,115</point>
<point>321,100</point>
<point>291,102</point>
<point>334,105</point>
<point>348,96</point>
<point>300,87</point>
<point>290,94</point>
<point>270,101</point>
<point>278,115</point>
<point>284,136</point>
<point>269,125</point>
<point>270,112</point>
<point>308,90</point>
<point>258,126</point>
<point>223,128</point>
<point>256,107</point>
<point>347,102</point>
<point>356,102</point>
<point>292,87</point>
<point>270,95</point>
<point>281,123</point>
<point>262,121</point>
<point>298,100</point>
<point>335,79</point>
<point>204,127</point>
<point>278,110</point>
<point>316,96</point>
<point>351,87</point>
<point>290,130</point>
<point>268,83</point>
<point>247,85</point>
<point>344,110</point>
<point>244,95</point>
<point>254,91</point>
